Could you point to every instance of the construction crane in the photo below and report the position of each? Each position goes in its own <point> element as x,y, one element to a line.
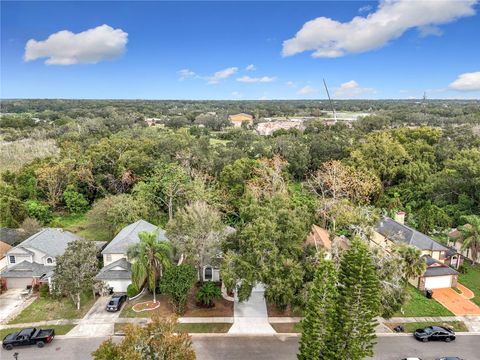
<point>331,102</point>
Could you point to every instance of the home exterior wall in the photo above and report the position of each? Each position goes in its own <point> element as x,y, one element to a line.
<point>3,263</point>
<point>113,258</point>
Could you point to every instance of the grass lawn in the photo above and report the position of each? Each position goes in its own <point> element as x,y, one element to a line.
<point>43,309</point>
<point>77,224</point>
<point>419,305</point>
<point>471,279</point>
<point>59,330</point>
<point>284,328</point>
<point>193,327</point>
<point>411,327</point>
<point>223,308</point>
<point>273,311</point>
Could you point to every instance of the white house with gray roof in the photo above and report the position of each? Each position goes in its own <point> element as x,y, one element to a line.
<point>441,261</point>
<point>33,260</point>
<point>116,272</point>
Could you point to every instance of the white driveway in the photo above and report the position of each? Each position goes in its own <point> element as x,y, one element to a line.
<point>10,303</point>
<point>97,321</point>
<point>251,317</point>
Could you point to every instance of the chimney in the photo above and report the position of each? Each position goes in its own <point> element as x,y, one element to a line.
<point>400,217</point>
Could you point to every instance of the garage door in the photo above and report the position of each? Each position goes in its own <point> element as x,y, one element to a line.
<point>438,282</point>
<point>18,283</point>
<point>119,285</point>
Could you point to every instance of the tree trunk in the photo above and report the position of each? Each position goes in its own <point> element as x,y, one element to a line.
<point>170,208</point>
<point>78,301</point>
<point>154,288</point>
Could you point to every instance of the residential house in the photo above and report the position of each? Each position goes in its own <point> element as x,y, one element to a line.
<point>211,271</point>
<point>238,119</point>
<point>33,260</point>
<point>116,271</point>
<point>320,238</point>
<point>441,260</point>
<point>4,248</point>
<point>268,128</point>
<point>456,241</point>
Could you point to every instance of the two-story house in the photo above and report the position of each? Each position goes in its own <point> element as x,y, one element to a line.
<point>33,260</point>
<point>441,261</point>
<point>116,271</point>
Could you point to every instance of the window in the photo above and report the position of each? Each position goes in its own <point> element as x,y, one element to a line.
<point>207,273</point>
<point>12,259</point>
<point>49,260</point>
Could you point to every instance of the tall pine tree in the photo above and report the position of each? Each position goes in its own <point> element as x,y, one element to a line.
<point>319,322</point>
<point>358,303</point>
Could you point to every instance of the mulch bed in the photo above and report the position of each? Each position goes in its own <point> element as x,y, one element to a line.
<point>273,311</point>
<point>146,306</point>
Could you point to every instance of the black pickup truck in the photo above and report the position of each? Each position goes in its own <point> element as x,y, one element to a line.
<point>30,336</point>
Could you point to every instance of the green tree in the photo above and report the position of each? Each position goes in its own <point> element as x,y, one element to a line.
<point>413,264</point>
<point>471,235</point>
<point>319,316</point>
<point>76,269</point>
<point>75,201</point>
<point>39,211</point>
<point>149,259</point>
<point>358,303</point>
<point>197,232</point>
<point>176,282</point>
<point>158,340</point>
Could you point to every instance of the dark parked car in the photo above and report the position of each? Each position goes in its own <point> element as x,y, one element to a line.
<point>30,336</point>
<point>449,358</point>
<point>116,302</point>
<point>431,333</point>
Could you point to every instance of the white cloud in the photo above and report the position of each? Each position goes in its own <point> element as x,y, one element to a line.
<point>220,75</point>
<point>467,82</point>
<point>87,47</point>
<point>263,79</point>
<point>186,74</point>
<point>365,9</point>
<point>330,38</point>
<point>250,67</point>
<point>428,30</point>
<point>236,95</point>
<point>291,84</point>
<point>352,89</point>
<point>307,90</point>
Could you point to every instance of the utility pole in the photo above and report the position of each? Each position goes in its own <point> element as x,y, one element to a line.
<point>331,103</point>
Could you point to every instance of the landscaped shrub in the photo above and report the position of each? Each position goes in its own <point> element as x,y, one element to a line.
<point>39,211</point>
<point>207,293</point>
<point>75,201</point>
<point>132,290</point>
<point>44,291</point>
<point>175,283</point>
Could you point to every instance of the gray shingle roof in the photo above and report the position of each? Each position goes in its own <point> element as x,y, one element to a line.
<point>402,233</point>
<point>107,272</point>
<point>26,269</point>
<point>129,236</point>
<point>51,241</point>
<point>436,268</point>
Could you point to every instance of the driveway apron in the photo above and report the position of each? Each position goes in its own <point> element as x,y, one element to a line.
<point>455,302</point>
<point>97,321</point>
<point>251,317</point>
<point>10,303</point>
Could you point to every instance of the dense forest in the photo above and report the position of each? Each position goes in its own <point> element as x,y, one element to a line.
<point>95,166</point>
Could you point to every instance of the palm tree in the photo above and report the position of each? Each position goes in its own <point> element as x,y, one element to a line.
<point>414,264</point>
<point>471,235</point>
<point>149,258</point>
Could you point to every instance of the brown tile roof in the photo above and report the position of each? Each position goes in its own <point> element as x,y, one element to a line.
<point>319,237</point>
<point>4,247</point>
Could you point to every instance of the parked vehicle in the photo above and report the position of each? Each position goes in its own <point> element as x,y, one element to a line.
<point>431,333</point>
<point>449,358</point>
<point>30,336</point>
<point>116,302</point>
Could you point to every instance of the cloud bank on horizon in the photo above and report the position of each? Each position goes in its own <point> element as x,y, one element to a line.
<point>87,47</point>
<point>330,38</point>
<point>467,82</point>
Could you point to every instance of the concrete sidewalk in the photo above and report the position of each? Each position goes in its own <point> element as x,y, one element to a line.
<point>251,317</point>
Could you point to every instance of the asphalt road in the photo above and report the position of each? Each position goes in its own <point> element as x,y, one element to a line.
<point>260,348</point>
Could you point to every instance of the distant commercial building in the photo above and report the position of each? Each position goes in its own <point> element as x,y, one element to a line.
<point>238,119</point>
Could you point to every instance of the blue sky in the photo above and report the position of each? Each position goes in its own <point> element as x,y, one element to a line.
<point>144,46</point>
